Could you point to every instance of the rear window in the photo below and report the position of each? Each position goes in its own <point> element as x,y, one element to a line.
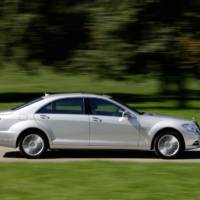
<point>64,106</point>
<point>28,104</point>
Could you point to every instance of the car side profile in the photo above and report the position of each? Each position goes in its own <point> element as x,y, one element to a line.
<point>88,121</point>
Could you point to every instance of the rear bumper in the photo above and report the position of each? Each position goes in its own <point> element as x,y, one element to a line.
<point>7,139</point>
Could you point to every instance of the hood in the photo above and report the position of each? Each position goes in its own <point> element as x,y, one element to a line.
<point>150,119</point>
<point>162,117</point>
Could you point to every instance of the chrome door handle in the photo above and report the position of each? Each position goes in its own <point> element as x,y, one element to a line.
<point>96,119</point>
<point>44,117</point>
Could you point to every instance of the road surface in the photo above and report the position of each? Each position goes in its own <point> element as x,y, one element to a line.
<point>13,155</point>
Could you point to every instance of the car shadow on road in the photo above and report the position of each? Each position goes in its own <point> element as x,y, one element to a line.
<point>102,154</point>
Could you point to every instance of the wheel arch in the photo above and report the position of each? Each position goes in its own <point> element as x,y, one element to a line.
<point>165,130</point>
<point>26,131</point>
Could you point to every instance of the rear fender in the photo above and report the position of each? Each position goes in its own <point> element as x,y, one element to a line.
<point>20,127</point>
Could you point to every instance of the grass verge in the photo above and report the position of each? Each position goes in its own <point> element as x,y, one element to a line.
<point>99,180</point>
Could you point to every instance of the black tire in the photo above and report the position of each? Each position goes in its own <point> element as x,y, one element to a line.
<point>178,144</point>
<point>43,144</point>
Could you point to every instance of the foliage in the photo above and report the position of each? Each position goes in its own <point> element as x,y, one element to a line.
<point>111,38</point>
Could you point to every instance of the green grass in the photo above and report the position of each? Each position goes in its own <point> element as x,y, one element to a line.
<point>14,80</point>
<point>17,81</point>
<point>99,180</point>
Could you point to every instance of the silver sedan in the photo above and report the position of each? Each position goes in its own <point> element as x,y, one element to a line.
<point>88,121</point>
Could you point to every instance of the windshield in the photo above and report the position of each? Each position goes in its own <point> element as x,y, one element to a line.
<point>123,104</point>
<point>28,104</point>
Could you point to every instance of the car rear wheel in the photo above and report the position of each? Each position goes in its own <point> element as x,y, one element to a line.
<point>168,145</point>
<point>33,145</point>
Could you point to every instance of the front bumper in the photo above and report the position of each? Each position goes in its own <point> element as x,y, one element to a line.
<point>192,141</point>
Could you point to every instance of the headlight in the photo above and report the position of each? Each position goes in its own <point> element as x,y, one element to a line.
<point>190,128</point>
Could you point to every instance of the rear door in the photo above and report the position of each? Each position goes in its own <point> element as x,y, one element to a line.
<point>67,120</point>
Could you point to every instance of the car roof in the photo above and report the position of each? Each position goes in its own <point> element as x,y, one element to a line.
<point>66,95</point>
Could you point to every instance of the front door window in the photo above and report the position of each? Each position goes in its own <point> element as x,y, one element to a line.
<point>105,108</point>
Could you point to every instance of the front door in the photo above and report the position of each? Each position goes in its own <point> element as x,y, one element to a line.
<point>108,128</point>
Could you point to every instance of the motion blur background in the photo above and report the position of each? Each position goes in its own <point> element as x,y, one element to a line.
<point>146,53</point>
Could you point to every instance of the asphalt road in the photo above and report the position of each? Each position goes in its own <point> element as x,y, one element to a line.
<point>13,155</point>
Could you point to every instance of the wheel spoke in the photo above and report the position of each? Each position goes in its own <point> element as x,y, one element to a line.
<point>168,145</point>
<point>33,144</point>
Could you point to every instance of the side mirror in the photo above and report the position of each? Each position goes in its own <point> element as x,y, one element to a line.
<point>128,115</point>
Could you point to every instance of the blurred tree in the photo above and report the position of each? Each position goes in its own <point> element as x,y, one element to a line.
<point>112,38</point>
<point>56,32</point>
<point>158,32</point>
<point>46,31</point>
<point>107,53</point>
<point>143,37</point>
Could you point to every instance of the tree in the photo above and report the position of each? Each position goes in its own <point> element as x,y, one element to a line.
<point>163,33</point>
<point>112,38</point>
<point>45,31</point>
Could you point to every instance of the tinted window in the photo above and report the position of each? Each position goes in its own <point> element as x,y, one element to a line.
<point>103,107</point>
<point>64,106</point>
<point>46,109</point>
<point>131,108</point>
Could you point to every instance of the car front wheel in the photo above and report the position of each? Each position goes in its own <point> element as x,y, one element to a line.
<point>168,145</point>
<point>33,145</point>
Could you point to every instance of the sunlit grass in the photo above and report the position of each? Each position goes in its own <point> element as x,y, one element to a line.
<point>14,80</point>
<point>99,180</point>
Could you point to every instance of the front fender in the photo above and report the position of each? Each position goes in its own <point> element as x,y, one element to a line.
<point>162,125</point>
<point>189,138</point>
